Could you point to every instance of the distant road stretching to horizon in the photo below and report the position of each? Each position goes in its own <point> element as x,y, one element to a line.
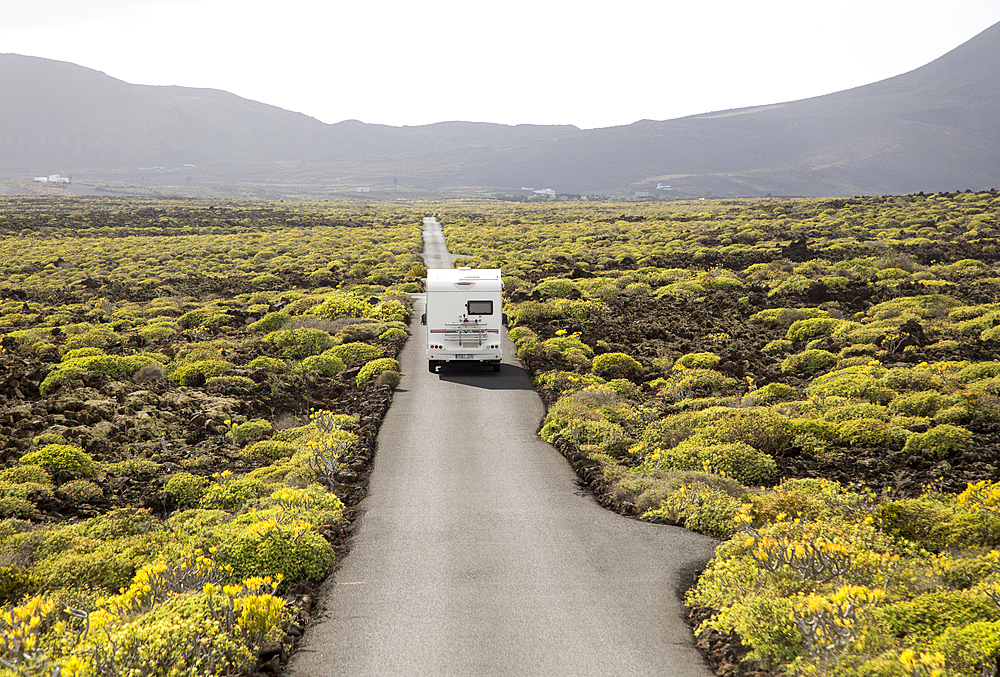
<point>478,553</point>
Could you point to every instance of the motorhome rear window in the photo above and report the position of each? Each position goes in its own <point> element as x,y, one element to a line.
<point>480,307</point>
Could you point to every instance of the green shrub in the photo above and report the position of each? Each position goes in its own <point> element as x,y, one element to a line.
<point>978,371</point>
<point>773,392</point>
<point>934,523</point>
<point>390,311</point>
<point>854,410</point>
<point>907,378</point>
<point>940,441</point>
<point>761,428</point>
<point>56,457</point>
<point>157,331</point>
<point>228,493</point>
<point>343,305</point>
<point>25,473</point>
<point>701,508</point>
<point>569,345</point>
<point>82,491</point>
<point>685,382</point>
<point>134,467</point>
<point>266,281</point>
<point>272,321</point>
<point>85,335</point>
<point>81,352</point>
<point>327,365</point>
<point>356,352</point>
<point>562,381</point>
<point>204,318</point>
<point>375,367</point>
<point>814,327</point>
<point>864,432</point>
<point>818,428</point>
<point>928,615</point>
<point>598,432</point>
<point>809,361</point>
<point>559,288</point>
<point>269,450</point>
<point>103,571</point>
<point>113,365</point>
<point>187,489</point>
<point>857,381</point>
<point>736,460</point>
<point>519,334</point>
<point>251,430</point>
<point>969,649</point>
<point>14,506</point>
<point>698,360</point>
<point>615,365</point>
<point>393,333</point>
<point>923,403</point>
<point>185,373</point>
<point>777,346</point>
<point>260,547</point>
<point>300,343</point>
<point>271,365</point>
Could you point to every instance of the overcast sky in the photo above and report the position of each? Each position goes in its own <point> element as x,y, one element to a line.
<point>415,62</point>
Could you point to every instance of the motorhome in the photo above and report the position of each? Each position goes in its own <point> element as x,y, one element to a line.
<point>464,317</point>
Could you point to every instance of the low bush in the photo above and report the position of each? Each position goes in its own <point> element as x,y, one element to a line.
<point>940,441</point>
<point>187,489</point>
<point>82,491</point>
<point>56,457</point>
<point>814,327</point>
<point>271,322</point>
<point>300,343</point>
<point>327,365</point>
<point>376,367</point>
<point>615,365</point>
<point>271,365</point>
<point>343,305</point>
<point>253,429</point>
<point>269,450</point>
<point>189,373</point>
<point>698,360</point>
<point>809,361</point>
<point>356,352</point>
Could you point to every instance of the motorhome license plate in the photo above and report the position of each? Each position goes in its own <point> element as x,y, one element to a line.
<point>465,357</point>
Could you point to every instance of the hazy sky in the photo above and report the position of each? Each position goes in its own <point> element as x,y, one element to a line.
<point>517,61</point>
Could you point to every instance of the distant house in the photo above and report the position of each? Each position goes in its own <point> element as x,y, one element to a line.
<point>641,193</point>
<point>52,178</point>
<point>545,191</point>
<point>663,186</point>
<point>364,190</point>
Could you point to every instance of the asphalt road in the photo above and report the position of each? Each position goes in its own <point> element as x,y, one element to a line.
<point>479,554</point>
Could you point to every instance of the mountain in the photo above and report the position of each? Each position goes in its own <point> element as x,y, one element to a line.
<point>934,128</point>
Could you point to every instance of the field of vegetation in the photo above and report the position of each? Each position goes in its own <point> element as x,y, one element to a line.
<point>815,382</point>
<point>191,391</point>
<point>189,398</point>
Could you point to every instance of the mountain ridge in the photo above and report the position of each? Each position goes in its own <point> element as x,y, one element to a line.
<point>932,128</point>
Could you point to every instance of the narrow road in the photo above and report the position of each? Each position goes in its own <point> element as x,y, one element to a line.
<point>478,553</point>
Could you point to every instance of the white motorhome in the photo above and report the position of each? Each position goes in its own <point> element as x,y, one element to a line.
<point>464,317</point>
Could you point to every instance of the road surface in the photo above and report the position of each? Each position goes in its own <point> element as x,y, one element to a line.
<point>478,553</point>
